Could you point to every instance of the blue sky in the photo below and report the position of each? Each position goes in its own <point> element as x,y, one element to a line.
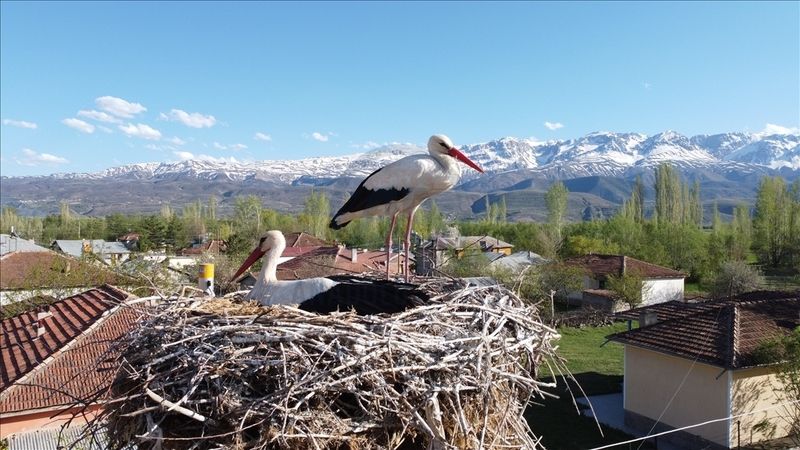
<point>87,86</point>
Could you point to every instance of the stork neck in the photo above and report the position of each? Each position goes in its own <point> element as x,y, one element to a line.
<point>448,164</point>
<point>269,271</point>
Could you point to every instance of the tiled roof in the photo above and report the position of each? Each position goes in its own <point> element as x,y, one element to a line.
<point>722,333</point>
<point>325,261</point>
<point>212,245</point>
<point>78,337</point>
<point>303,239</point>
<point>10,244</point>
<point>604,265</point>
<point>20,270</point>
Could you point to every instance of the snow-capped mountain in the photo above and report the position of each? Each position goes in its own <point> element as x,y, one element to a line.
<point>599,153</point>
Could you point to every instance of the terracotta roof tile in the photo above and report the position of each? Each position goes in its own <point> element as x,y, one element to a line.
<point>20,349</point>
<point>604,265</point>
<point>326,261</point>
<point>303,239</point>
<point>722,333</point>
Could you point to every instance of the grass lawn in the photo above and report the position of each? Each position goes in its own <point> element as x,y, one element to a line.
<point>598,369</point>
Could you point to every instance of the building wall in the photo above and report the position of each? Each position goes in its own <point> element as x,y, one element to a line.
<point>755,389</point>
<point>661,290</point>
<point>651,380</point>
<point>48,419</point>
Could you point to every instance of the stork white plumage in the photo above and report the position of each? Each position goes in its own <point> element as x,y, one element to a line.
<point>324,295</point>
<point>400,187</point>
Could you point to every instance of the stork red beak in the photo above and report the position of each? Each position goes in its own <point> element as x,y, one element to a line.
<point>254,256</point>
<point>463,158</point>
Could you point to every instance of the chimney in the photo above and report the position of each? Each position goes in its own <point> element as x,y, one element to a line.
<point>647,318</point>
<point>38,325</point>
<point>354,255</point>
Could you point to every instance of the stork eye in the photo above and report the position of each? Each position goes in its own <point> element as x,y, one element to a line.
<point>443,144</point>
<point>262,240</point>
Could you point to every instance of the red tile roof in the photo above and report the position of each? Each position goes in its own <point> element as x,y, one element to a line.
<point>21,351</point>
<point>303,239</point>
<point>213,246</point>
<point>28,270</point>
<point>604,265</point>
<point>722,333</point>
<point>325,261</point>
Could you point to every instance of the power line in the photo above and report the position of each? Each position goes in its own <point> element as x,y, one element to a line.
<point>696,425</point>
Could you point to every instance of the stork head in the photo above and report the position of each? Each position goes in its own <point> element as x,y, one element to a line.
<point>272,240</point>
<point>440,144</point>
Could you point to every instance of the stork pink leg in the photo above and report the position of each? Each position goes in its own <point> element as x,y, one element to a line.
<point>389,244</point>
<point>407,242</point>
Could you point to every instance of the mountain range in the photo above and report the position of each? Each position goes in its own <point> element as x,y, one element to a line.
<point>598,168</point>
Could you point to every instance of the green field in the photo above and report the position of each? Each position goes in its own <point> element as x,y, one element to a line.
<point>598,367</point>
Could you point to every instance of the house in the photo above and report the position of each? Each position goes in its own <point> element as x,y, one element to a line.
<point>700,362</point>
<point>25,275</point>
<point>518,261</point>
<point>303,239</point>
<point>437,251</point>
<point>659,284</point>
<point>111,253</point>
<point>130,240</point>
<point>201,246</point>
<point>325,261</point>
<point>12,243</point>
<point>53,357</point>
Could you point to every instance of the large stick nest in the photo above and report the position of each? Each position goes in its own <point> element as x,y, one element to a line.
<point>457,373</point>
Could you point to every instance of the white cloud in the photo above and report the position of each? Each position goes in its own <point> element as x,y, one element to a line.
<point>20,123</point>
<point>34,158</point>
<point>237,146</point>
<point>193,120</point>
<point>98,115</point>
<point>319,137</point>
<point>771,128</point>
<point>262,137</point>
<point>79,125</point>
<point>219,146</point>
<point>141,131</point>
<point>104,129</point>
<point>553,125</point>
<point>176,140</point>
<point>119,107</point>
<point>184,156</point>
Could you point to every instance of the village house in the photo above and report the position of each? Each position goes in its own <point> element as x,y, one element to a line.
<point>659,284</point>
<point>130,241</point>
<point>12,243</point>
<point>439,250</point>
<point>202,246</point>
<point>111,253</point>
<point>25,275</point>
<point>691,363</point>
<point>55,356</point>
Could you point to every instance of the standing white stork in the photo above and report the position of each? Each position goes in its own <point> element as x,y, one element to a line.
<point>324,295</point>
<point>400,187</point>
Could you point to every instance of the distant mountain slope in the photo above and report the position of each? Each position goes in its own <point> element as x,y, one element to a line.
<point>601,165</point>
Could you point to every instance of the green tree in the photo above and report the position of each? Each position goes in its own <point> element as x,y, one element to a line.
<point>772,222</point>
<point>316,214</point>
<point>629,287</point>
<point>736,277</point>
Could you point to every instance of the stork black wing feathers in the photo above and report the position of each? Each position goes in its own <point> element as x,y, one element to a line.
<point>364,198</point>
<point>365,297</point>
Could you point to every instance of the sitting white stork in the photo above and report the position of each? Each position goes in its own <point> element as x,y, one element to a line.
<point>324,295</point>
<point>400,187</point>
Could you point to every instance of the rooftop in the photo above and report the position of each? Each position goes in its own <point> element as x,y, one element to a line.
<point>9,244</point>
<point>75,247</point>
<point>723,333</point>
<point>325,261</point>
<point>28,270</point>
<point>605,265</point>
<point>24,348</point>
